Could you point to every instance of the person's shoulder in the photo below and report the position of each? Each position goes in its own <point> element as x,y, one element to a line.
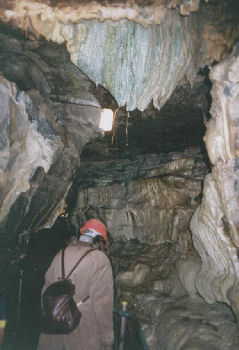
<point>76,245</point>
<point>73,248</point>
<point>100,257</point>
<point>80,248</point>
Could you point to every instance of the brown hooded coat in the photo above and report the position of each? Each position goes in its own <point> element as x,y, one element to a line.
<point>93,278</point>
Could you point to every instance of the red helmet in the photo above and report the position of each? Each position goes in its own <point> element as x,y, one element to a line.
<point>96,225</point>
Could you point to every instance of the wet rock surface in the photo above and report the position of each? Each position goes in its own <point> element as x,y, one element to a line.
<point>215,223</point>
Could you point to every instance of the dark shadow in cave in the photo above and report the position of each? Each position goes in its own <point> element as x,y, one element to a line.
<point>23,333</point>
<point>179,125</point>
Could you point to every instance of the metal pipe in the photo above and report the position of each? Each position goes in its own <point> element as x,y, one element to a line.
<point>19,297</point>
<point>139,329</point>
<point>123,326</point>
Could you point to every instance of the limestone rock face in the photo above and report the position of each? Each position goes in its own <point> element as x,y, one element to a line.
<point>189,323</point>
<point>40,142</point>
<point>215,224</point>
<point>187,272</point>
<point>146,205</point>
<point>152,210</point>
<point>185,323</point>
<point>25,145</point>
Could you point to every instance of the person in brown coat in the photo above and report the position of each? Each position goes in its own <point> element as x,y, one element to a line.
<point>93,278</point>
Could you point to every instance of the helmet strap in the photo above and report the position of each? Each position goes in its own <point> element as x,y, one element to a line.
<point>86,238</point>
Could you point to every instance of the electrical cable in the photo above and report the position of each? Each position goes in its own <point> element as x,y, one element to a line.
<point>122,313</point>
<point>114,129</point>
<point>115,138</point>
<point>126,131</point>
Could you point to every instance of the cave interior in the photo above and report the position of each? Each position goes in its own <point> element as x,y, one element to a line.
<point>164,179</point>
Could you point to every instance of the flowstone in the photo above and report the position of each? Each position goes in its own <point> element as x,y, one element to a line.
<point>215,225</point>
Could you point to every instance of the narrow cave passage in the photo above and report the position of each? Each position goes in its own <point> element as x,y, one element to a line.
<point>147,185</point>
<point>164,180</point>
<point>159,173</point>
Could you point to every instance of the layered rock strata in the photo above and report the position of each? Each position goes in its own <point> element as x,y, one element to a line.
<point>146,205</point>
<point>147,211</point>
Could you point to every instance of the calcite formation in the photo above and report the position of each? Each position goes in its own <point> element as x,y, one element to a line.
<point>215,224</point>
<point>151,60</point>
<point>152,12</point>
<point>153,46</point>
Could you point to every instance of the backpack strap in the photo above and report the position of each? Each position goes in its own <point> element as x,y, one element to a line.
<point>75,266</point>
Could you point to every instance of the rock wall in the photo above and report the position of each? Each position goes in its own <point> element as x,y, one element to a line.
<point>25,145</point>
<point>188,323</point>
<point>150,210</point>
<point>146,205</point>
<point>40,141</point>
<point>215,224</point>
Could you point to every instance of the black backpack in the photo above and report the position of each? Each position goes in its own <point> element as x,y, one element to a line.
<point>60,314</point>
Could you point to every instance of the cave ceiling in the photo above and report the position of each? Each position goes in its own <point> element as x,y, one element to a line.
<point>153,45</point>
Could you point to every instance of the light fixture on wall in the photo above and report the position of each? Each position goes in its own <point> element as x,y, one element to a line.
<point>106,119</point>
